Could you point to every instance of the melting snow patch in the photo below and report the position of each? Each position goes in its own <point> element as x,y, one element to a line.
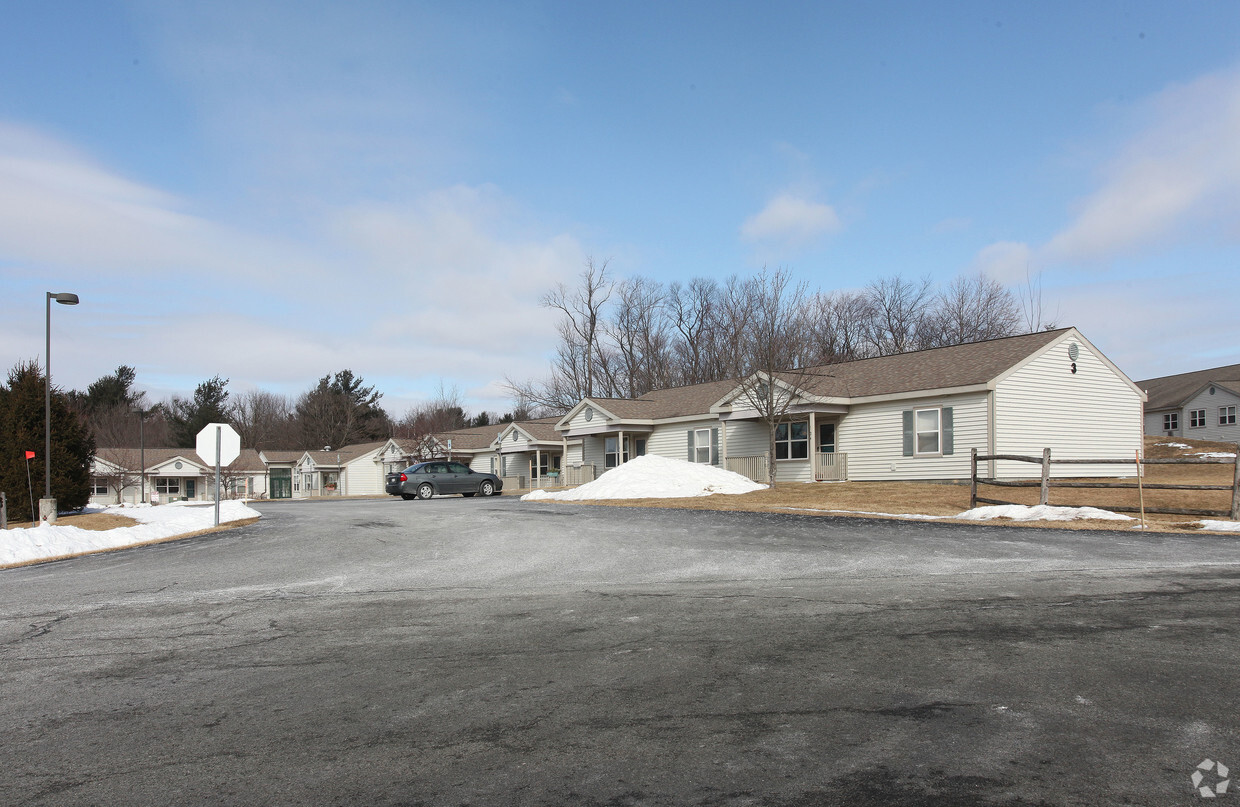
<point>166,521</point>
<point>1175,445</point>
<point>653,477</point>
<point>1216,455</point>
<point>1221,526</point>
<point>1042,512</point>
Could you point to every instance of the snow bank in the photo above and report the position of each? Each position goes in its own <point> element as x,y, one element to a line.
<point>165,521</point>
<point>652,477</point>
<point>1216,455</point>
<point>1042,512</point>
<point>1221,526</point>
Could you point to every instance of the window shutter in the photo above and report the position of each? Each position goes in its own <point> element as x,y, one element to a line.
<point>908,432</point>
<point>714,446</point>
<point>948,431</point>
<point>692,457</point>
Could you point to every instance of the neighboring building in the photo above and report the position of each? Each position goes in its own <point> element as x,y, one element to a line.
<point>1201,405</point>
<point>171,474</point>
<point>903,417</point>
<point>533,454</point>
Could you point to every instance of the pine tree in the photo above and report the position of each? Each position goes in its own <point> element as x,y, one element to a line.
<point>187,418</point>
<point>22,423</point>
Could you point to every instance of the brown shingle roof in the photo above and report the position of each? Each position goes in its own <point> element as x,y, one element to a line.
<point>131,458</point>
<point>937,368</point>
<point>1174,390</point>
<point>964,365</point>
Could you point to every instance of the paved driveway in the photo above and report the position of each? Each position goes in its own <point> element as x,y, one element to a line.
<point>492,652</point>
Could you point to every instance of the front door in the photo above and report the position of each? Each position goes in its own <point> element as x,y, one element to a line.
<point>189,489</point>
<point>281,483</point>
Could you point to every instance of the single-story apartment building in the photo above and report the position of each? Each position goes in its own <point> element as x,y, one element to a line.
<point>118,475</point>
<point>909,416</point>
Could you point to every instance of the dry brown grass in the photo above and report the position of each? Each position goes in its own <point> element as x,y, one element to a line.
<point>85,521</point>
<point>950,499</point>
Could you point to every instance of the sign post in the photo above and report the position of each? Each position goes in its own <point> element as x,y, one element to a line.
<point>218,444</point>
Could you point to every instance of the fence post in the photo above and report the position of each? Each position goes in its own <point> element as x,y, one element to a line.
<point>973,478</point>
<point>1045,498</point>
<point>1235,489</point>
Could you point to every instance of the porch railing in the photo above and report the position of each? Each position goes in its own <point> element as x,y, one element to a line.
<point>756,468</point>
<point>830,467</point>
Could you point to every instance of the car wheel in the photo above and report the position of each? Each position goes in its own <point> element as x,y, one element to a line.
<point>407,496</point>
<point>425,490</point>
<point>487,488</point>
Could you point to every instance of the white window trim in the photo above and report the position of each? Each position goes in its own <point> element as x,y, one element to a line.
<point>1227,415</point>
<point>937,431</point>
<point>1196,418</point>
<point>701,444</point>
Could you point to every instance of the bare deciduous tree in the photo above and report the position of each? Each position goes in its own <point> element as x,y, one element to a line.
<point>582,309</point>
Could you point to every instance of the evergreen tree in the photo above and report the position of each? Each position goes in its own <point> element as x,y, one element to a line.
<point>340,411</point>
<point>22,423</point>
<point>188,417</point>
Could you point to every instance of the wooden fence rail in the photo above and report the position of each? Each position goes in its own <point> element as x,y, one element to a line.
<point>1047,483</point>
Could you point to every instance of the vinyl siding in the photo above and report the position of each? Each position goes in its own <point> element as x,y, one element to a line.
<point>748,438</point>
<point>672,440</point>
<point>873,437</point>
<point>364,477</point>
<point>481,462</point>
<point>592,453</point>
<point>1090,413</point>
<point>1211,403</point>
<point>1154,424</point>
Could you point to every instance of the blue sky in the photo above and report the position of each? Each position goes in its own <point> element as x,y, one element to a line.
<point>275,191</point>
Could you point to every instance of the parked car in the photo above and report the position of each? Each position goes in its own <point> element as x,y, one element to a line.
<point>427,479</point>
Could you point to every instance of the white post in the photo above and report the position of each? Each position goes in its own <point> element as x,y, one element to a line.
<point>219,432</point>
<point>813,448</point>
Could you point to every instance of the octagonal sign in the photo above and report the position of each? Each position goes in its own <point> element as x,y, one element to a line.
<point>230,443</point>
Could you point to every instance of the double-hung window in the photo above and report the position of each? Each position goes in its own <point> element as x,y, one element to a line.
<point>792,440</point>
<point>99,486</point>
<point>1171,421</point>
<point>1227,416</point>
<point>701,446</point>
<point>927,424</point>
<point>1196,418</point>
<point>168,484</point>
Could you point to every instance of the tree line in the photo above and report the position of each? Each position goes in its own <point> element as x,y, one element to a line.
<point>621,338</point>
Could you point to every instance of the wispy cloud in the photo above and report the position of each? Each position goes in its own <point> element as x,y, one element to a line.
<point>792,221</point>
<point>1176,178</point>
<point>1008,262</point>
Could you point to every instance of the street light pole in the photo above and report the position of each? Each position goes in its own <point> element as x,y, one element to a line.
<point>47,506</point>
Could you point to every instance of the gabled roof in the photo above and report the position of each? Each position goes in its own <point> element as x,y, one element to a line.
<point>131,458</point>
<point>1173,391</point>
<point>539,430</point>
<point>968,365</point>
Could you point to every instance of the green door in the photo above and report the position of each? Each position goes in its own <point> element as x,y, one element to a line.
<point>281,483</point>
<point>189,489</point>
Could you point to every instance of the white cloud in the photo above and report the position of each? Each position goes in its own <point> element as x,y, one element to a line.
<point>1179,176</point>
<point>1006,261</point>
<point>791,220</point>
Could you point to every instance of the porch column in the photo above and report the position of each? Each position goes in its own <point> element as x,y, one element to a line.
<point>620,456</point>
<point>813,448</point>
<point>723,444</point>
<point>537,467</point>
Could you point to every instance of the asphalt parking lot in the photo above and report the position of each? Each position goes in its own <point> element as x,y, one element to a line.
<point>479,652</point>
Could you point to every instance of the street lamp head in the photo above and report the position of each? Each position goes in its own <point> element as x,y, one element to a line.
<point>63,297</point>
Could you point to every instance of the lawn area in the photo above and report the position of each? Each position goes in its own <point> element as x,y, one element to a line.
<point>948,499</point>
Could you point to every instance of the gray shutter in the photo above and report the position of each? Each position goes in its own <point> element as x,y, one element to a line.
<point>908,432</point>
<point>948,431</point>
<point>691,454</point>
<point>714,446</point>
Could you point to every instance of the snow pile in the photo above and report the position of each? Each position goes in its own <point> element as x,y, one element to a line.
<point>1216,455</point>
<point>1175,445</point>
<point>165,521</point>
<point>652,477</point>
<point>1042,512</point>
<point>1221,526</point>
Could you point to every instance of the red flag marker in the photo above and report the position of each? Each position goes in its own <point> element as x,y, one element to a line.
<point>29,455</point>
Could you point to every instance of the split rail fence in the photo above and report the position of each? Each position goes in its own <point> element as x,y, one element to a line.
<point>1047,483</point>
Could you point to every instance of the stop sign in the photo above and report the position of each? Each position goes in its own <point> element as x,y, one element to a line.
<point>230,443</point>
